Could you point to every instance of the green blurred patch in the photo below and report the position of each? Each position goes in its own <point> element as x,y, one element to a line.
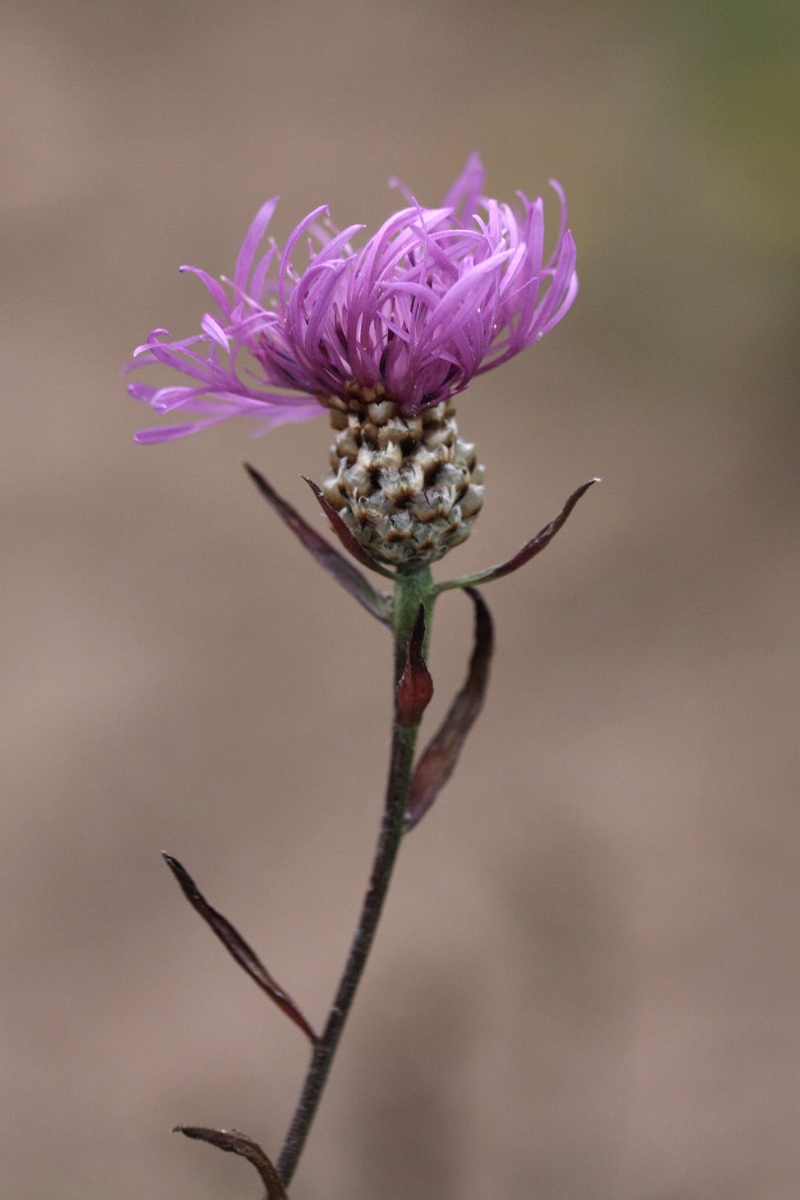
<point>736,69</point>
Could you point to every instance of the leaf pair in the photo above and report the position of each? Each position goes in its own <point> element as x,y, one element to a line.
<point>415,686</point>
<point>358,586</point>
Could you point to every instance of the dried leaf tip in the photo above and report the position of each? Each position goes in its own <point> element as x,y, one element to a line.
<point>234,1142</point>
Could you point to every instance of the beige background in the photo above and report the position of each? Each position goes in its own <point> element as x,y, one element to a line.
<point>588,982</point>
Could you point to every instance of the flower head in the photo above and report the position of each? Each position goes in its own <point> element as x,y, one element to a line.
<point>435,297</point>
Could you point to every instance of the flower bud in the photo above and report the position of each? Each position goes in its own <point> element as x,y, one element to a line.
<point>407,487</point>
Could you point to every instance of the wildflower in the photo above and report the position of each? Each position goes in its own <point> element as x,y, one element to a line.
<point>383,338</point>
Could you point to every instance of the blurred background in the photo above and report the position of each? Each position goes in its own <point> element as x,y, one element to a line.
<point>588,979</point>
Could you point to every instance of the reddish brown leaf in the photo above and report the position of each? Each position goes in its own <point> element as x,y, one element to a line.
<point>238,1143</point>
<point>326,555</point>
<point>345,534</point>
<point>238,948</point>
<point>415,686</point>
<point>528,551</point>
<point>436,764</point>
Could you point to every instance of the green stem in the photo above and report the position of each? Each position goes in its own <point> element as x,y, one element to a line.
<point>410,592</point>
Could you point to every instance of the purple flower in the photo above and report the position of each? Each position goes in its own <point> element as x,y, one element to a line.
<point>435,297</point>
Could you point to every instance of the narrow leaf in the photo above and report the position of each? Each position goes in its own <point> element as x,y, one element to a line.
<point>414,687</point>
<point>237,1143</point>
<point>326,555</point>
<point>238,948</point>
<point>528,551</point>
<point>436,764</point>
<point>345,534</point>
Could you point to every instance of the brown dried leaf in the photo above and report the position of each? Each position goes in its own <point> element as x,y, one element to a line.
<point>328,557</point>
<point>528,551</point>
<point>345,534</point>
<point>238,948</point>
<point>238,1143</point>
<point>436,764</point>
<point>414,687</point>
